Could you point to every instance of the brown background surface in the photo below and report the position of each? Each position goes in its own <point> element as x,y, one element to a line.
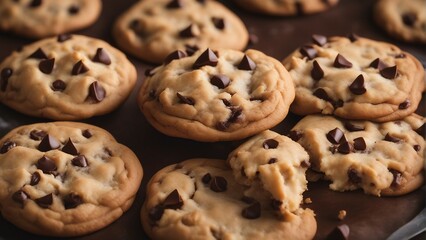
<point>368,217</point>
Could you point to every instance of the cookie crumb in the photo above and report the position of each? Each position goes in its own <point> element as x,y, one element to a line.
<point>342,214</point>
<point>308,200</point>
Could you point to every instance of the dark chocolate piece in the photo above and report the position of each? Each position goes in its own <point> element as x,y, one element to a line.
<point>38,54</point>
<point>345,148</point>
<point>173,200</point>
<point>378,64</point>
<point>221,81</point>
<point>7,146</point>
<point>174,4</point>
<point>46,165</point>
<point>59,85</point>
<point>353,37</point>
<point>317,73</point>
<point>188,32</point>
<point>102,56</point>
<point>218,184</point>
<point>87,134</point>
<point>46,65</point>
<point>70,148</point>
<point>48,143</point>
<point>72,200</point>
<point>322,94</point>
<point>252,211</point>
<point>397,177</point>
<point>20,196</point>
<point>73,10</point>
<point>389,72</point>
<point>335,136</point>
<point>354,176</point>
<point>309,52</point>
<point>45,201</point>
<point>341,62</point>
<point>319,39</point>
<point>35,178</point>
<point>96,92</point>
<point>359,144</point>
<point>79,161</point>
<point>191,49</point>
<point>409,18</point>
<point>417,148</point>
<point>295,135</point>
<point>246,64</point>
<point>272,161</point>
<point>79,68</point>
<point>404,105</point>
<point>218,22</point>
<point>186,100</point>
<point>37,135</point>
<point>390,138</point>
<point>156,213</point>
<point>357,86</point>
<point>353,128</point>
<point>173,56</point>
<point>270,144</point>
<point>341,232</point>
<point>207,58</point>
<point>206,178</point>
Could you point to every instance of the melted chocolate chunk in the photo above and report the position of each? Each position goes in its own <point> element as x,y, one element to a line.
<point>276,204</point>
<point>219,23</point>
<point>341,232</point>
<point>156,213</point>
<point>390,138</point>
<point>72,200</point>
<point>417,148</point>
<point>353,37</point>
<point>79,68</point>
<point>272,161</point>
<point>35,179</point>
<point>354,176</point>
<point>359,144</point>
<point>20,196</point>
<point>409,18</point>
<point>378,64</point>
<point>96,92</point>
<point>295,135</point>
<point>397,177</point>
<point>335,136</point>
<point>48,143</point>
<point>389,72</point>
<point>206,178</point>
<point>87,134</point>
<point>404,105</point>
<point>70,148</point>
<point>5,74</point>
<point>73,10</point>
<point>322,94</point>
<point>102,56</point>
<point>64,37</point>
<point>270,144</point>
<point>37,134</point>
<point>38,54</point>
<point>345,148</point>
<point>317,73</point>
<point>45,201</point>
<point>173,200</point>
<point>59,85</point>
<point>46,65</point>
<point>35,3</point>
<point>341,62</point>
<point>221,81</point>
<point>191,49</point>
<point>174,4</point>
<point>357,86</point>
<point>46,165</point>
<point>188,32</point>
<point>252,211</point>
<point>79,161</point>
<point>185,100</point>
<point>7,146</point>
<point>218,184</point>
<point>319,39</point>
<point>207,58</point>
<point>309,52</point>
<point>246,64</point>
<point>173,56</point>
<point>353,128</point>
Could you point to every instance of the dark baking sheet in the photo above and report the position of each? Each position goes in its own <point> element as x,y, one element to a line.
<point>368,217</point>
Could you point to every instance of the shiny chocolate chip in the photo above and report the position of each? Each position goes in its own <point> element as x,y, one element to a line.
<point>207,58</point>
<point>20,196</point>
<point>389,72</point>
<point>174,4</point>
<point>236,113</point>
<point>173,200</point>
<point>206,178</point>
<point>341,62</point>
<point>252,211</point>
<point>46,65</point>
<point>417,148</point>
<point>35,3</point>
<point>353,127</point>
<point>191,49</point>
<point>295,135</point>
<point>354,176</point>
<point>221,81</point>
<point>59,85</point>
<point>345,148</point>
<point>188,32</point>
<point>48,143</point>
<point>270,144</point>
<point>96,92</point>
<point>409,18</point>
<point>79,68</point>
<point>378,64</point>
<point>390,138</point>
<point>341,232</point>
<point>319,39</point>
<point>45,201</point>
<point>353,37</point>
<point>309,52</point>
<point>79,161</point>
<point>272,161</point>
<point>322,94</point>
<point>359,144</point>
<point>421,130</point>
<point>335,136</point>
<point>73,10</point>
<point>156,213</point>
<point>173,56</point>
<point>46,165</point>
<point>102,56</point>
<point>5,74</point>
<point>397,177</point>
<point>64,37</point>
<point>185,100</point>
<point>218,22</point>
<point>7,146</point>
<point>404,105</point>
<point>357,87</point>
<point>87,134</point>
<point>70,148</point>
<point>218,184</point>
<point>38,54</point>
<point>37,134</point>
<point>246,64</point>
<point>35,178</point>
<point>317,73</point>
<point>72,200</point>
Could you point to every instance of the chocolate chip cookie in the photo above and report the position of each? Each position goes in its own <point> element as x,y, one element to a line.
<point>67,77</point>
<point>201,199</point>
<point>355,78</point>
<point>286,7</point>
<point>405,20</point>
<point>216,95</point>
<point>152,29</point>
<point>380,158</point>
<point>65,178</point>
<point>43,18</point>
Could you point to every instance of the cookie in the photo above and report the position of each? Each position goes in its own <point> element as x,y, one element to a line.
<point>405,20</point>
<point>68,77</point>
<point>355,78</point>
<point>44,18</point>
<point>286,7</point>
<point>379,158</point>
<point>152,29</point>
<point>216,96</point>
<point>200,199</point>
<point>65,178</point>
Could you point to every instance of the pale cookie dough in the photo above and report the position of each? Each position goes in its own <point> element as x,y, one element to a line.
<point>44,18</point>
<point>68,77</point>
<point>355,78</point>
<point>216,96</point>
<point>405,20</point>
<point>200,199</point>
<point>152,29</point>
<point>380,158</point>
<point>286,7</point>
<point>65,178</point>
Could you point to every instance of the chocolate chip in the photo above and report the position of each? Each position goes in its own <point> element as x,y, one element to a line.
<point>96,92</point>
<point>188,32</point>
<point>101,56</point>
<point>309,52</point>
<point>72,200</point>
<point>409,18</point>
<point>5,74</point>
<point>221,81</point>
<point>37,134</point>
<point>48,143</point>
<point>46,65</point>
<point>219,23</point>
<point>35,3</point>
<point>397,177</point>
<point>341,232</point>
<point>390,138</point>
<point>319,39</point>
<point>64,37</point>
<point>235,114</point>
<point>79,68</point>
<point>353,37</point>
<point>191,49</point>
<point>354,176</point>
<point>378,64</point>
<point>359,144</point>
<point>45,201</point>
<point>341,62</point>
<point>345,148</point>
<point>185,100</point>
<point>47,165</point>
<point>353,128</point>
<point>79,161</point>
<point>417,147</point>
<point>70,148</point>
<point>152,94</point>
<point>206,178</point>
<point>207,58</point>
<point>276,204</point>
<point>173,56</point>
<point>357,86</point>
<point>295,135</point>
<point>389,72</point>
<point>87,134</point>
<point>421,130</point>
<point>218,184</point>
<point>156,213</point>
<point>59,85</point>
<point>174,4</point>
<point>20,196</point>
<point>252,211</point>
<point>35,179</point>
<point>246,64</point>
<point>272,161</point>
<point>305,164</point>
<point>173,200</point>
<point>321,94</point>
<point>72,10</point>
<point>404,105</point>
<point>317,73</point>
<point>337,104</point>
<point>335,136</point>
<point>38,54</point>
<point>270,144</point>
<point>7,146</point>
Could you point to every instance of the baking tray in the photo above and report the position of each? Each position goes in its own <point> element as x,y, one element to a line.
<point>368,217</point>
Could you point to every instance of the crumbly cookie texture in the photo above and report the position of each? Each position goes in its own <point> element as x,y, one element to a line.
<point>355,78</point>
<point>405,20</point>
<point>152,29</point>
<point>286,7</point>
<point>216,95</point>
<point>380,158</point>
<point>44,18</point>
<point>65,178</point>
<point>68,77</point>
<point>201,199</point>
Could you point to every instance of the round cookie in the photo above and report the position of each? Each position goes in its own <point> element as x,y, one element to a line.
<point>68,77</point>
<point>405,20</point>
<point>380,158</point>
<point>355,78</point>
<point>65,178</point>
<point>216,96</point>
<point>200,199</point>
<point>286,7</point>
<point>152,29</point>
<point>44,18</point>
